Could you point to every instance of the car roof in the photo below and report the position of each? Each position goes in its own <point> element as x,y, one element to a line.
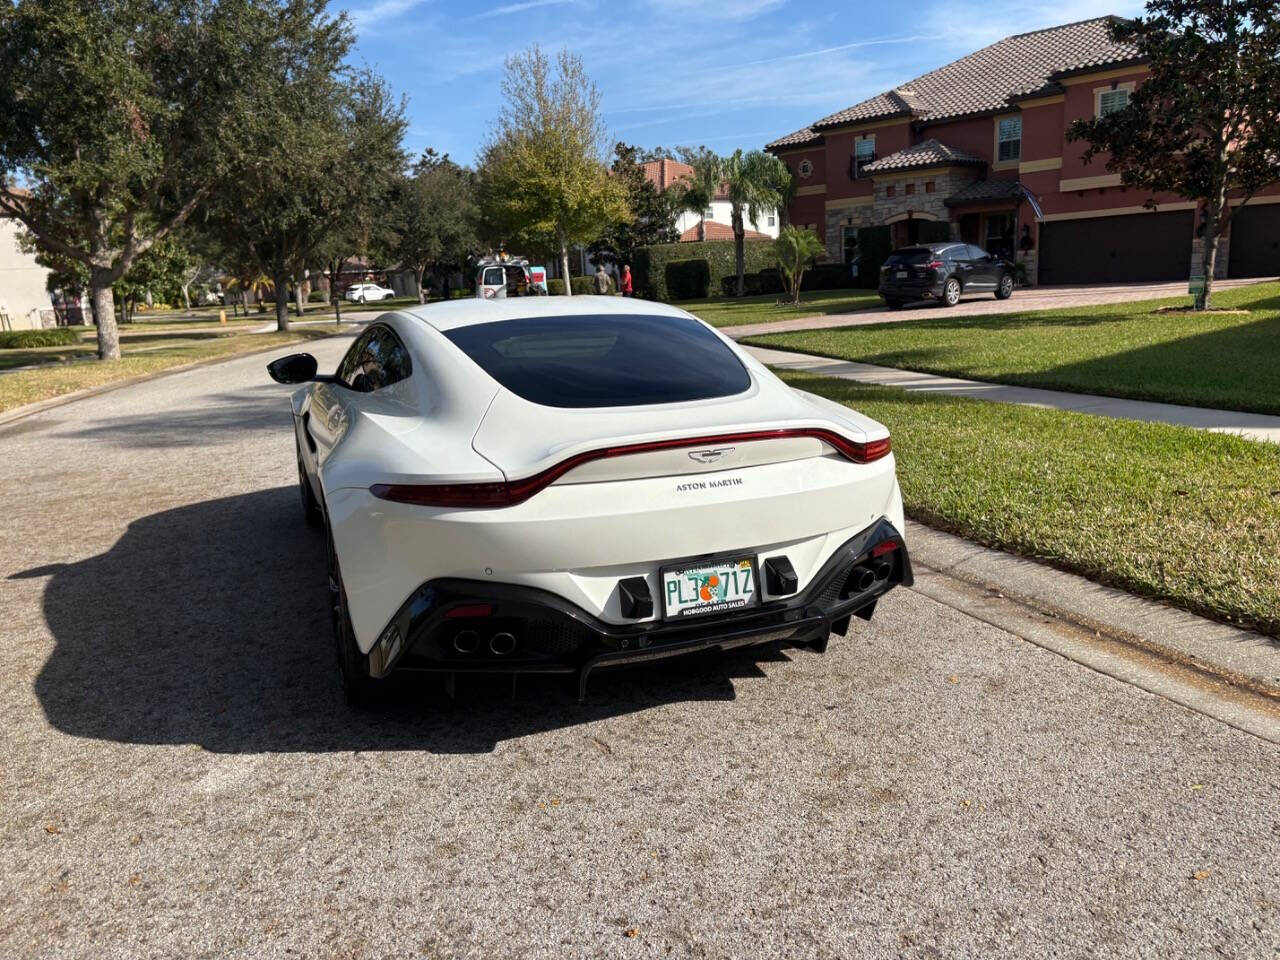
<point>450,314</point>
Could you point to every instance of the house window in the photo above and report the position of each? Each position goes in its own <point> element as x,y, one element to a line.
<point>708,214</point>
<point>1009,139</point>
<point>1112,101</point>
<point>864,152</point>
<point>806,168</point>
<point>772,220</point>
<point>929,186</point>
<point>911,188</point>
<point>891,191</point>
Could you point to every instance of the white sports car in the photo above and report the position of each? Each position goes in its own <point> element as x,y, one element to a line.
<point>559,485</point>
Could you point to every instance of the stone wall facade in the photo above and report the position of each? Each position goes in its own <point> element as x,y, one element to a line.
<point>921,193</point>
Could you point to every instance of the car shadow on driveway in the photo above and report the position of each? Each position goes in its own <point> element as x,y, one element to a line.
<point>207,624</point>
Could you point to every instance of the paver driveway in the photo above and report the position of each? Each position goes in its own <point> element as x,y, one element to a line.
<point>181,779</point>
<point>1024,299</point>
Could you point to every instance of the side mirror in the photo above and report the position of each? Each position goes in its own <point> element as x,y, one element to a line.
<point>295,368</point>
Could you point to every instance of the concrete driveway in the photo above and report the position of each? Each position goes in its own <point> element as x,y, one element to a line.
<point>1023,299</point>
<point>181,778</point>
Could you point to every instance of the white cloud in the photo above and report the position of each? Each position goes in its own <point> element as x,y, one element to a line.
<point>518,7</point>
<point>366,17</point>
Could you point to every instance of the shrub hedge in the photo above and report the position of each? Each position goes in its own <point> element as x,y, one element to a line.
<point>649,271</point>
<point>23,339</point>
<point>688,279</point>
<point>582,286</point>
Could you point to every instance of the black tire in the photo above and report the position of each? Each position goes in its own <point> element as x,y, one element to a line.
<point>951,292</point>
<point>360,689</point>
<point>893,304</point>
<point>1004,289</point>
<point>312,512</point>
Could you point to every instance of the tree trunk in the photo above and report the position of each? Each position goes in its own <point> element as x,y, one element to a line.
<point>298,297</point>
<point>281,281</point>
<point>1209,246</point>
<point>104,308</point>
<point>739,253</point>
<point>186,298</point>
<point>564,266</point>
<point>422,294</point>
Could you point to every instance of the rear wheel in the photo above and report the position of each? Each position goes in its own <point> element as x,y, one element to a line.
<point>1004,290</point>
<point>360,689</point>
<point>951,292</point>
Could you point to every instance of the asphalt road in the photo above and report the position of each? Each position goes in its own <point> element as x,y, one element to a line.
<point>181,779</point>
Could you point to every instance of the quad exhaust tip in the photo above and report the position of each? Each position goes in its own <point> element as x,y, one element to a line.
<point>883,568</point>
<point>863,578</point>
<point>466,641</point>
<point>500,644</point>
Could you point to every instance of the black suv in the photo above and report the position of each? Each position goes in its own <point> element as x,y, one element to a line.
<point>942,272</point>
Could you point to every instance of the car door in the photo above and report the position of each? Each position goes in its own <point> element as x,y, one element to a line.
<point>493,283</point>
<point>983,268</point>
<point>326,420</point>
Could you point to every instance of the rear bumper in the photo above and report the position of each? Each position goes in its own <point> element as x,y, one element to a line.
<point>554,636</point>
<point>912,290</point>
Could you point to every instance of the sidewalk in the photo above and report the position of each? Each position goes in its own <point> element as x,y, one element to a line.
<point>1254,426</point>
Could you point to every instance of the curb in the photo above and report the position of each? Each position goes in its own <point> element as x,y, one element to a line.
<point>30,409</point>
<point>1224,672</point>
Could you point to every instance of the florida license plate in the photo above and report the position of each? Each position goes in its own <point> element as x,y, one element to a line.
<point>709,587</point>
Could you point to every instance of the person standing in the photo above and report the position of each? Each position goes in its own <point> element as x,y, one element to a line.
<point>602,280</point>
<point>625,284</point>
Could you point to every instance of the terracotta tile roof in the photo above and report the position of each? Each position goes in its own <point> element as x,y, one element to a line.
<point>799,138</point>
<point>927,153</point>
<point>665,173</point>
<point>985,191</point>
<point>990,79</point>
<point>719,231</point>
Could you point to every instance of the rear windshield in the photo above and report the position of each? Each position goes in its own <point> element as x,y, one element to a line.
<point>909,257</point>
<point>593,361</point>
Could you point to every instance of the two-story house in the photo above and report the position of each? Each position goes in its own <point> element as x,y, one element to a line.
<point>716,221</point>
<point>978,150</point>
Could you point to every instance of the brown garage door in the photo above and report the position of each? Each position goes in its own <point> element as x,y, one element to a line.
<point>1255,242</point>
<point>1140,246</point>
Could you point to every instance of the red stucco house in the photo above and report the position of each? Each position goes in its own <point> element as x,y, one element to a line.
<point>968,151</point>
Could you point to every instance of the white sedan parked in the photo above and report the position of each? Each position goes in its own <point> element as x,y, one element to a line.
<point>557,485</point>
<point>368,292</point>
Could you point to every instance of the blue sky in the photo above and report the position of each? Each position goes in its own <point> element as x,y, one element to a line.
<point>729,73</point>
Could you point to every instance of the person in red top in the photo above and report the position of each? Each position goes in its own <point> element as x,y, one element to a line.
<point>625,285</point>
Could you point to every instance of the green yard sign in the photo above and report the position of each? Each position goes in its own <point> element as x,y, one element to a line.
<point>1197,285</point>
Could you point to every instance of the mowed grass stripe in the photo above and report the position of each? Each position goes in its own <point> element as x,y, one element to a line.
<point>1166,512</point>
<point>1229,361</point>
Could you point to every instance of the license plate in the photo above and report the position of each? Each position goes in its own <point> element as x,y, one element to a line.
<point>901,274</point>
<point>709,587</point>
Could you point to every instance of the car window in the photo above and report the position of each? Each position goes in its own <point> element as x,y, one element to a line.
<point>909,256</point>
<point>604,361</point>
<point>350,363</point>
<point>977,253</point>
<point>396,365</point>
<point>493,277</point>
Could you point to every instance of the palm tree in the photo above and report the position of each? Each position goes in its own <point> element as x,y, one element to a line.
<point>754,183</point>
<point>696,193</point>
<point>797,250</point>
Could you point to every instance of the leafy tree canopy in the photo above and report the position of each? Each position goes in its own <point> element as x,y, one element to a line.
<point>652,215</point>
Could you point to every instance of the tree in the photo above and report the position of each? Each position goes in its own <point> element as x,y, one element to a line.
<point>160,270</point>
<point>652,216</point>
<point>113,114</point>
<point>436,214</point>
<point>542,178</point>
<point>796,250</point>
<point>1203,124</point>
<point>753,182</point>
<point>328,150</point>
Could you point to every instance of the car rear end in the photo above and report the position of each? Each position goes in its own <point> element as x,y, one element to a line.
<point>732,511</point>
<point>912,273</point>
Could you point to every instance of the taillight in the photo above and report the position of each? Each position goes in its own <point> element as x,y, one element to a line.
<point>934,265</point>
<point>470,610</point>
<point>510,492</point>
<point>887,546</point>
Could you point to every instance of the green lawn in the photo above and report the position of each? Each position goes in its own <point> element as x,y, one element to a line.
<point>730,312</point>
<point>1230,361</point>
<point>1168,512</point>
<point>77,368</point>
